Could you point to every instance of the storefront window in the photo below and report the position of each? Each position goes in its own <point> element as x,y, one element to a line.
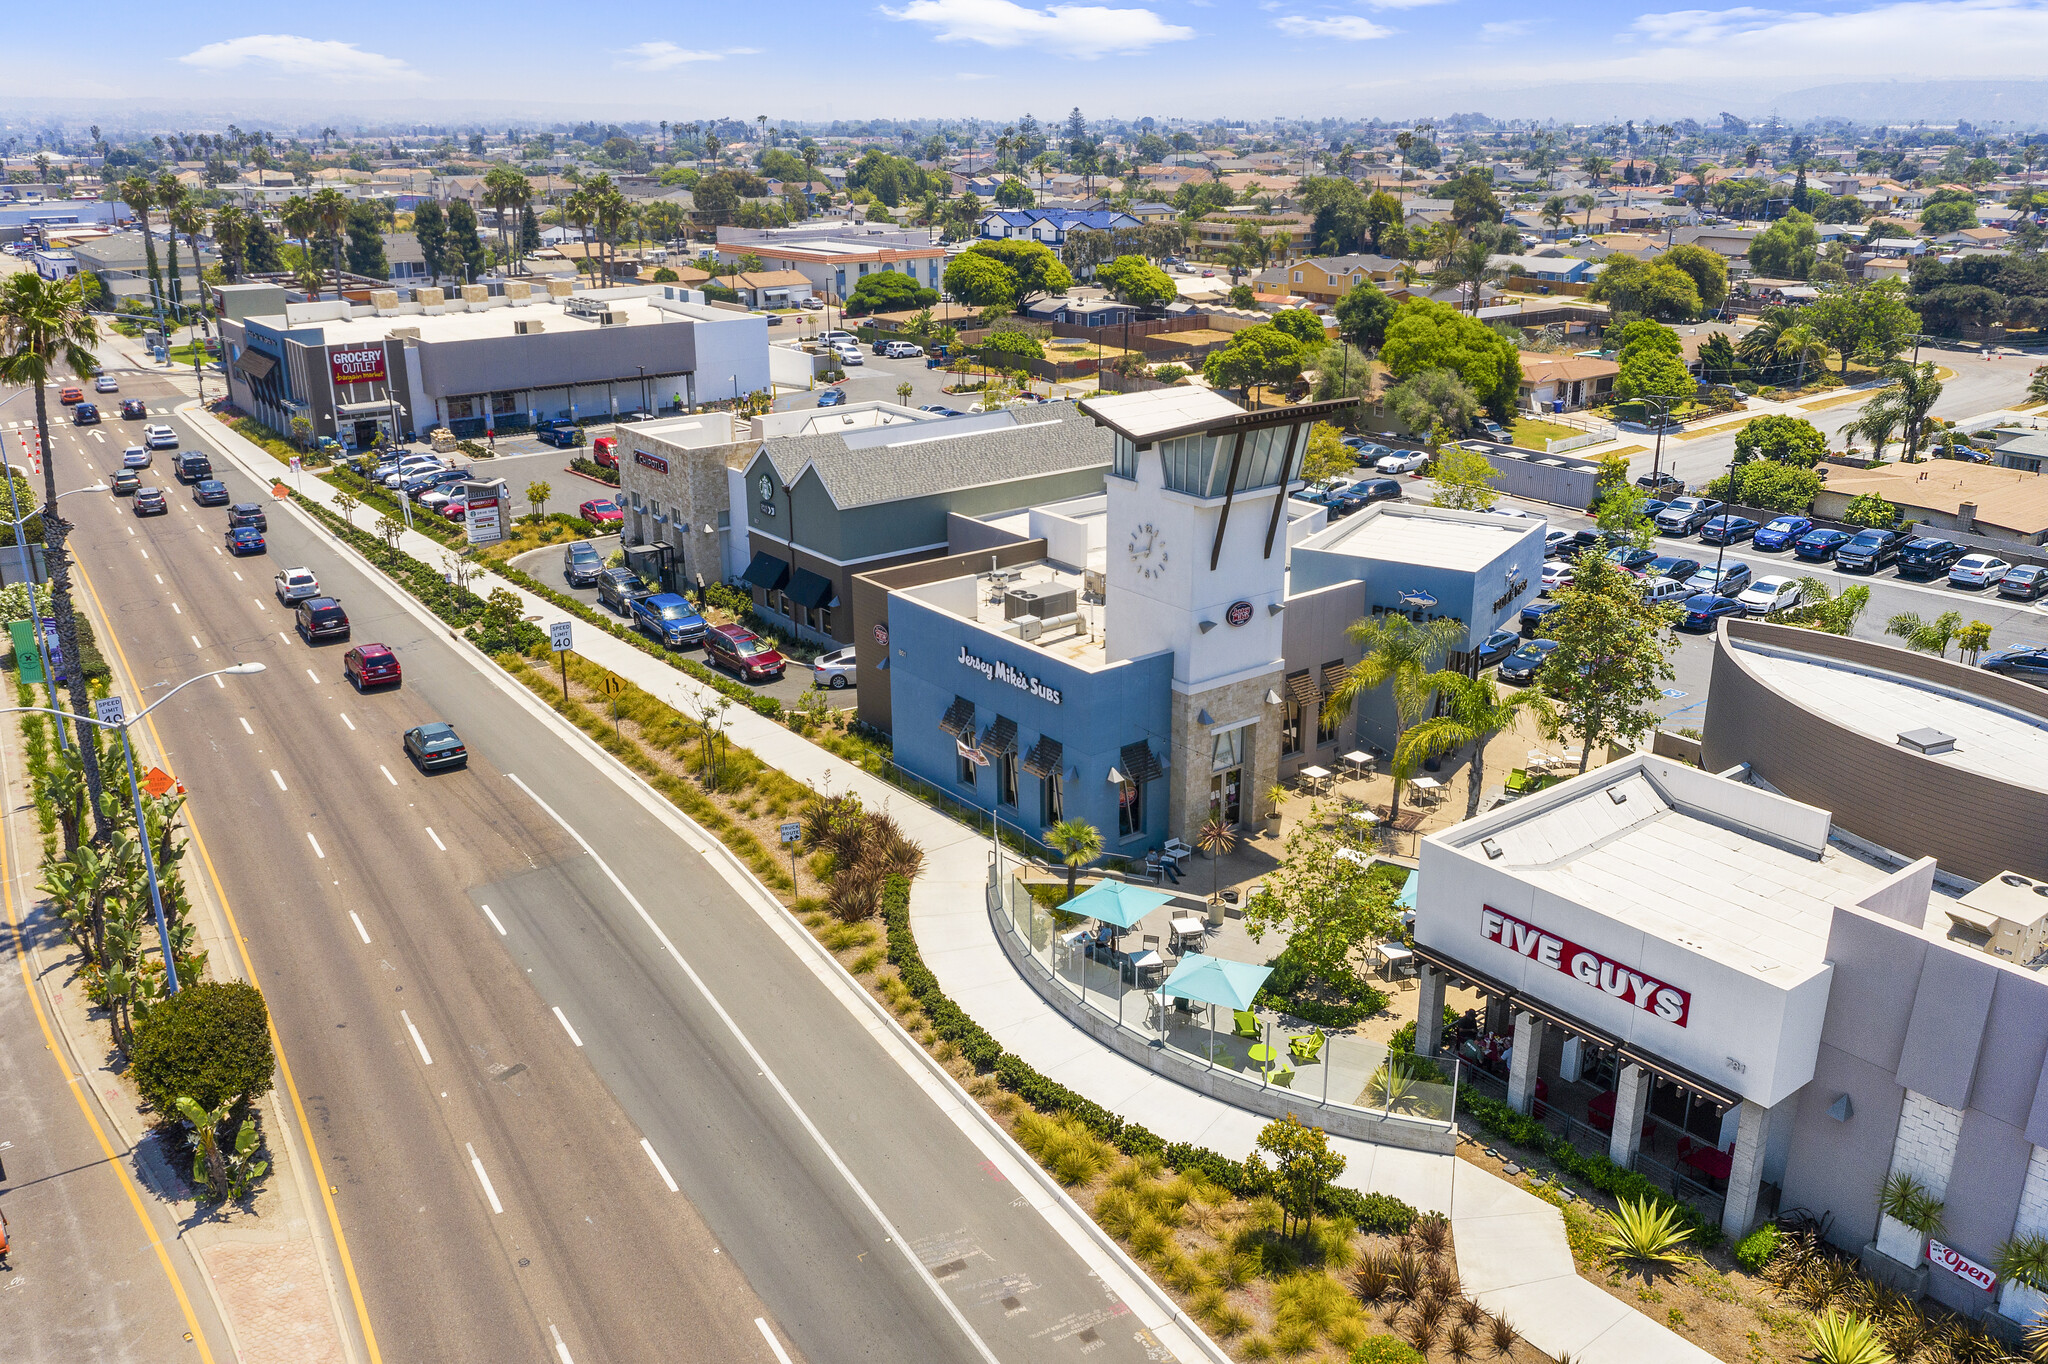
<point>1290,729</point>
<point>967,768</point>
<point>1130,809</point>
<point>1228,748</point>
<point>1055,799</point>
<point>1006,778</point>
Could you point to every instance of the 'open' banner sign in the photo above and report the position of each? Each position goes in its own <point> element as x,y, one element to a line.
<point>1961,1265</point>
<point>1588,967</point>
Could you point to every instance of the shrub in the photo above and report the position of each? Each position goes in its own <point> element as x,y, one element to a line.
<point>1641,1230</point>
<point>1755,1249</point>
<point>210,1043</point>
<point>1845,1338</point>
<point>1386,1350</point>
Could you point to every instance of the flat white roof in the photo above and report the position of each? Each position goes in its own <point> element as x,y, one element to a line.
<point>1143,415</point>
<point>497,321</point>
<point>2005,744</point>
<point>1467,541</point>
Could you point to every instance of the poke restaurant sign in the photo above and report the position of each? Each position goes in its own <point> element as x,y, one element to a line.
<point>357,365</point>
<point>1586,966</point>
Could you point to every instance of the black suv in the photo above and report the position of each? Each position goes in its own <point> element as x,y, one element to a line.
<point>1926,557</point>
<point>1869,550</point>
<point>192,466</point>
<point>248,514</point>
<point>322,618</point>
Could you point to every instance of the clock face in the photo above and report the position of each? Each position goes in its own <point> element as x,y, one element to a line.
<point>1148,550</point>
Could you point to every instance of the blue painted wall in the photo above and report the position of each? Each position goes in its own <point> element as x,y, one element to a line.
<point>1097,714</point>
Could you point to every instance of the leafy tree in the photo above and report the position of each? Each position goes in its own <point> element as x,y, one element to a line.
<point>1866,321</point>
<point>1789,440</point>
<point>1620,511</point>
<point>1301,324</point>
<point>1013,193</point>
<point>1427,335</point>
<point>210,1042</point>
<point>465,249</point>
<point>1137,281</point>
<point>1325,905</point>
<point>537,494</point>
<point>1303,1167</point>
<point>981,281</point>
<point>1786,249</point>
<point>1654,289</point>
<point>1326,456</point>
<point>1871,510</point>
<point>1464,479</point>
<point>1718,362</point>
<point>1257,355</point>
<point>1785,488</point>
<point>1472,198</point>
<point>1013,345</point>
<point>1607,673</point>
<point>1972,640</point>
<point>1652,363</point>
<point>1363,312</point>
<point>1433,397</point>
<point>365,248</point>
<point>1940,219</point>
<point>888,291</point>
<point>1475,710</point>
<point>1024,271</point>
<point>1342,371</point>
<point>430,229</point>
<point>1241,296</point>
<point>1706,269</point>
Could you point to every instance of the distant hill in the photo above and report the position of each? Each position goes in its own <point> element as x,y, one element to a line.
<point>2021,102</point>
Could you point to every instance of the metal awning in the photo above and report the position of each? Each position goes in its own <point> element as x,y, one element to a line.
<point>808,589</point>
<point>1302,687</point>
<point>256,364</point>
<point>958,720</point>
<point>1045,757</point>
<point>1140,764</point>
<point>364,409</point>
<point>1000,737</point>
<point>766,572</point>
<point>1334,675</point>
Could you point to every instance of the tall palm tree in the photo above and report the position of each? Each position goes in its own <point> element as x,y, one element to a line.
<point>300,221</point>
<point>810,165</point>
<point>1476,711</point>
<point>140,195</point>
<point>330,209</point>
<point>170,194</point>
<point>1078,843</point>
<point>1040,163</point>
<point>1468,265</point>
<point>188,217</point>
<point>1800,343</point>
<point>1397,653</point>
<point>1906,400</point>
<point>231,231</point>
<point>44,324</point>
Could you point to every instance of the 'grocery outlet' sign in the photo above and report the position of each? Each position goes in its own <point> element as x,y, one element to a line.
<point>1586,966</point>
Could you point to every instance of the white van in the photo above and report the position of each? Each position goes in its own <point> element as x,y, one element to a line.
<point>1666,592</point>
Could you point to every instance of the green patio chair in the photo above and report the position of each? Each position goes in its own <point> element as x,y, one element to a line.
<point>1247,1024</point>
<point>1282,1077</point>
<point>1518,781</point>
<point>1305,1047</point>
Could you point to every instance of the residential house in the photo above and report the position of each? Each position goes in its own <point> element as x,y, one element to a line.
<point>2027,454</point>
<point>1565,383</point>
<point>771,288</point>
<point>834,257</point>
<point>1992,238</point>
<point>1049,225</point>
<point>1280,231</point>
<point>1325,279</point>
<point>1083,312</point>
<point>1556,269</point>
<point>1887,267</point>
<point>1974,499</point>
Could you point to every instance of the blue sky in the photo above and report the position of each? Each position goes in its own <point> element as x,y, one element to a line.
<point>995,58</point>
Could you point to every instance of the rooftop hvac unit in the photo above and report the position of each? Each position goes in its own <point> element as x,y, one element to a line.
<point>1038,599</point>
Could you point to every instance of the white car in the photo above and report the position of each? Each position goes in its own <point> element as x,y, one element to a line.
<point>902,350</point>
<point>106,383</point>
<point>159,438</point>
<point>1767,596</point>
<point>410,465</point>
<point>836,338</point>
<point>1978,570</point>
<point>811,305</point>
<point>1665,592</point>
<point>848,355</point>
<point>1401,462</point>
<point>1553,538</point>
<point>296,584</point>
<point>1557,574</point>
<point>835,670</point>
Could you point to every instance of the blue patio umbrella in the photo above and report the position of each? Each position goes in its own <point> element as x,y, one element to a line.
<point>1215,980</point>
<point>1406,899</point>
<point>1116,902</point>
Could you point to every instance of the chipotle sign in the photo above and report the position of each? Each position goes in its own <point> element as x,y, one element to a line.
<point>362,365</point>
<point>1586,966</point>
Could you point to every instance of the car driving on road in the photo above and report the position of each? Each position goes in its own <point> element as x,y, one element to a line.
<point>836,670</point>
<point>435,747</point>
<point>85,414</point>
<point>581,563</point>
<point>244,540</point>
<point>248,514</point>
<point>210,492</point>
<point>133,409</point>
<point>371,665</point>
<point>295,585</point>
<point>159,438</point>
<point>321,618</point>
<point>135,457</point>
<point>126,482</point>
<point>616,588</point>
<point>150,502</point>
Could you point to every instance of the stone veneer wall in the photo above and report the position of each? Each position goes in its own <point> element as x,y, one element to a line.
<point>1187,778</point>
<point>1925,1148</point>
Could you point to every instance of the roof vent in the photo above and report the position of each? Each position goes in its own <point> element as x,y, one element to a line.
<point>2015,879</point>
<point>1616,794</point>
<point>1928,741</point>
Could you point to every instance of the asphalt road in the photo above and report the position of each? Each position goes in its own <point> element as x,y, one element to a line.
<point>490,1088</point>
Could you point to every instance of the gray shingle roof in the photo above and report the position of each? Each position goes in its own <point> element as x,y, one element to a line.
<point>924,460</point>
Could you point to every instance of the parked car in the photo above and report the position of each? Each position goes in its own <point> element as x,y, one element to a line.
<point>672,621</point>
<point>1819,546</point>
<point>321,618</point>
<point>1671,566</point>
<point>86,414</point>
<point>565,437</point>
<point>836,670</point>
<point>1927,556</point>
<point>244,540</point>
<point>604,452</point>
<point>135,457</point>
<point>1779,532</point>
<point>744,653</point>
<point>1401,462</point>
<point>248,514</point>
<point>372,665</point>
<point>1552,539</point>
<point>1978,570</point>
<point>848,356</point>
<point>1686,515</point>
<point>1727,530</point>
<point>1703,609</point>
<point>1577,543</point>
<point>435,746</point>
<point>1630,558</point>
<point>1767,596</point>
<point>106,383</point>
<point>1869,550</point>
<point>1498,646</point>
<point>1665,591</point>
<point>411,467</point>
<point>295,585</point>
<point>150,502</point>
<point>191,466</point>
<point>2024,582</point>
<point>1523,665</point>
<point>1534,613</point>
<point>2028,662</point>
<point>133,409</point>
<point>1556,574</point>
<point>1486,428</point>
<point>616,588</point>
<point>899,350</point>
<point>581,563</point>
<point>832,397</point>
<point>1661,482</point>
<point>1651,507</point>
<point>210,492</point>
<point>159,438</point>
<point>1726,581</point>
<point>1377,490</point>
<point>126,481</point>
<point>601,511</point>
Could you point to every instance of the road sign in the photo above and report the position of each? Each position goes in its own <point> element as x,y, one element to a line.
<point>156,781</point>
<point>611,685</point>
<point>792,832</point>
<point>109,710</point>
<point>280,491</point>
<point>558,636</point>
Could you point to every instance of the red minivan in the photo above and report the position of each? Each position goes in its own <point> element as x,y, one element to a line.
<point>604,452</point>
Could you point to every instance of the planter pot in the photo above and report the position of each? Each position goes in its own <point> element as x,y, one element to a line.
<point>2021,1304</point>
<point>1900,1242</point>
<point>1273,825</point>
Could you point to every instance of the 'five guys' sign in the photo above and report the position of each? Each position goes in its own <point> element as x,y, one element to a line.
<point>1588,967</point>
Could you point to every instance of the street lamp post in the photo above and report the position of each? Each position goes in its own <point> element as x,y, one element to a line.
<point>28,576</point>
<point>110,716</point>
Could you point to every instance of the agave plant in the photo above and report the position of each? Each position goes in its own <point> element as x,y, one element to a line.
<point>1909,1202</point>
<point>1640,1230</point>
<point>2024,1260</point>
<point>1844,1338</point>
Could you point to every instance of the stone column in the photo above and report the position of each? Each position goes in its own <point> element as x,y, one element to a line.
<point>1522,1068</point>
<point>1429,1011</point>
<point>1631,1101</point>
<point>1745,1173</point>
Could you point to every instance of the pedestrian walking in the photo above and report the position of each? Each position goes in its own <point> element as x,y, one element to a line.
<point>3,1242</point>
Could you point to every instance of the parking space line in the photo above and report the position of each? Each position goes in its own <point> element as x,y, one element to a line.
<point>416,1040</point>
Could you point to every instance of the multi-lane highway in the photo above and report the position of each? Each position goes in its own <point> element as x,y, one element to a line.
<point>576,1096</point>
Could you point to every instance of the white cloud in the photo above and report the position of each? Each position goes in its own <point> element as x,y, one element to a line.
<point>1708,25</point>
<point>1085,31</point>
<point>1912,39</point>
<point>1510,28</point>
<point>1403,4</point>
<point>300,58</point>
<point>663,56</point>
<point>1348,28</point>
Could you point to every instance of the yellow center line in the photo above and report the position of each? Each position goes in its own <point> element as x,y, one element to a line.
<point>114,1163</point>
<point>348,1266</point>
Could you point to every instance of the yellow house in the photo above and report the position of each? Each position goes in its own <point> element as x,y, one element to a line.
<point>1325,279</point>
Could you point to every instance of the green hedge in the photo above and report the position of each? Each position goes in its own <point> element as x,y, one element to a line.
<point>1373,1212</point>
<point>458,606</point>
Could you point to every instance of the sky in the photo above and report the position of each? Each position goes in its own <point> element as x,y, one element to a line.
<point>1196,59</point>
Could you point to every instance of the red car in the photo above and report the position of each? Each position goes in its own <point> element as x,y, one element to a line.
<point>744,653</point>
<point>371,665</point>
<point>604,452</point>
<point>601,511</point>
<point>455,509</point>
<point>71,395</point>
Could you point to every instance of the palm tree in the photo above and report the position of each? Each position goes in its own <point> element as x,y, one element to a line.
<point>1555,211</point>
<point>44,324</point>
<point>1801,343</point>
<point>231,231</point>
<point>300,221</point>
<point>1400,653</point>
<point>1469,264</point>
<point>1926,636</point>
<point>1078,843</point>
<point>140,195</point>
<point>1219,840</point>
<point>1476,712</point>
<point>1587,203</point>
<point>1905,401</point>
<point>1040,163</point>
<point>330,209</point>
<point>810,153</point>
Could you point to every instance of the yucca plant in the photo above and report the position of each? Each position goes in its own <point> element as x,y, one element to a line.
<point>1642,1231</point>
<point>2024,1260</point>
<point>1907,1201</point>
<point>1844,1338</point>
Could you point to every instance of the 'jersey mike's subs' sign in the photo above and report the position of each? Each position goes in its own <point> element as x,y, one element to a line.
<point>1586,966</point>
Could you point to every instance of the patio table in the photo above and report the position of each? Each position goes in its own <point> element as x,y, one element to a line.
<point>1709,1162</point>
<point>1398,958</point>
<point>1187,925</point>
<point>1317,777</point>
<point>1361,763</point>
<point>1425,788</point>
<point>1136,964</point>
<point>1261,1053</point>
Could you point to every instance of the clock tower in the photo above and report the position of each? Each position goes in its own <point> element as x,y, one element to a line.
<point>1196,565</point>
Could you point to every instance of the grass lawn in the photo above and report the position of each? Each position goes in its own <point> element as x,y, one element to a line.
<point>1531,434</point>
<point>182,355</point>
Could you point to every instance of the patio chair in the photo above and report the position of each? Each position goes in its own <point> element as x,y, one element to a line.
<point>1282,1077</point>
<point>1245,1024</point>
<point>1305,1047</point>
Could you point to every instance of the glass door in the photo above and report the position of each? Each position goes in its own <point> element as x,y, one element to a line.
<point>1224,790</point>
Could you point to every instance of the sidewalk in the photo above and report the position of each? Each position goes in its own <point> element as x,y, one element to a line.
<point>1512,1253</point>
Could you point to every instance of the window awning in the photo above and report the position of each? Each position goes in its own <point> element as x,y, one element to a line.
<point>256,364</point>
<point>1334,675</point>
<point>1045,757</point>
<point>808,589</point>
<point>1140,764</point>
<point>766,572</point>
<point>1000,737</point>
<point>1302,687</point>
<point>958,720</point>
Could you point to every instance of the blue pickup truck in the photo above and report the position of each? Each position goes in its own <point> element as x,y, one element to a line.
<point>669,618</point>
<point>561,435</point>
